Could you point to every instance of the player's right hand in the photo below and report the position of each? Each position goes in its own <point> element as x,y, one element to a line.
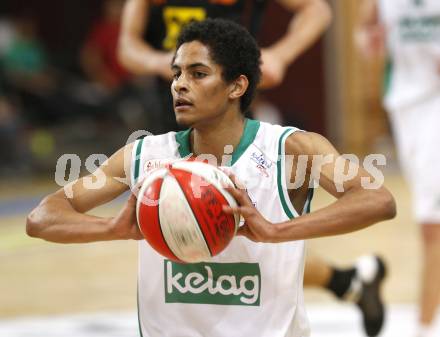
<point>370,40</point>
<point>124,225</point>
<point>273,69</point>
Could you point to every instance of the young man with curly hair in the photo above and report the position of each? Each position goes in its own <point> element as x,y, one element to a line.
<point>254,287</point>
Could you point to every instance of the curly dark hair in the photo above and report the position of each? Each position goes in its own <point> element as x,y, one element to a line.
<point>232,47</point>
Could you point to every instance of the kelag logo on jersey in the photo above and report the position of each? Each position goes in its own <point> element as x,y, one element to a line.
<point>212,283</point>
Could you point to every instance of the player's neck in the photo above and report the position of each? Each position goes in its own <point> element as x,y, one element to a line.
<point>212,139</point>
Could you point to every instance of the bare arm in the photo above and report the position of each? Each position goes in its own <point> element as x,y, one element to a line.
<point>133,52</point>
<point>311,19</point>
<point>61,219</point>
<point>354,209</point>
<point>370,31</point>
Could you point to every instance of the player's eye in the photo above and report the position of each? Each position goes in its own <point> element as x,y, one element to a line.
<point>176,75</point>
<point>199,74</point>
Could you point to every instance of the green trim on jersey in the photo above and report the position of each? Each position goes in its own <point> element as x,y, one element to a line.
<point>288,208</point>
<point>138,311</point>
<point>281,182</point>
<point>251,128</point>
<point>250,132</point>
<point>182,138</point>
<point>387,76</point>
<point>308,203</point>
<point>137,161</point>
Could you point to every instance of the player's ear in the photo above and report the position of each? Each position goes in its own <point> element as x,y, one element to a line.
<point>238,87</point>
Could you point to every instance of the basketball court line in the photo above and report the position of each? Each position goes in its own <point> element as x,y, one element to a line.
<point>326,321</point>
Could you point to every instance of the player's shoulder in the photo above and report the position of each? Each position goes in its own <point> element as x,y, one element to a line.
<point>160,139</point>
<point>304,143</point>
<point>153,143</point>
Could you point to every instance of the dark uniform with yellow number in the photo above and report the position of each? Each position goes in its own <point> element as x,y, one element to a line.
<point>167,17</point>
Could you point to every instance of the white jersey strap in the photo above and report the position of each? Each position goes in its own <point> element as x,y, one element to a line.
<point>283,192</point>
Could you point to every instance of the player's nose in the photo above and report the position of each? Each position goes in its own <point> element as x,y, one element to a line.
<point>180,83</point>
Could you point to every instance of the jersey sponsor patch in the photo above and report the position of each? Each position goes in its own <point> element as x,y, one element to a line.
<point>153,164</point>
<point>212,283</point>
<point>263,163</point>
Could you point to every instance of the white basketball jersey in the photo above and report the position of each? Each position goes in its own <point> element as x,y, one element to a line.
<point>413,35</point>
<point>250,289</point>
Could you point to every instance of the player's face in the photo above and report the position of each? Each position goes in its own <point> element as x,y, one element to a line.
<point>199,91</point>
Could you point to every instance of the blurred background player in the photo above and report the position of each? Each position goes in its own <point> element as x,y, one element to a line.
<point>147,41</point>
<point>98,56</point>
<point>110,86</point>
<point>411,31</point>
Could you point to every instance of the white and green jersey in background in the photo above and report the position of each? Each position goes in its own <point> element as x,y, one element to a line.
<point>413,37</point>
<point>250,289</point>
<point>413,97</point>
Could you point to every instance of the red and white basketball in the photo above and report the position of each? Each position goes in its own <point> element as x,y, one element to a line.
<point>180,211</point>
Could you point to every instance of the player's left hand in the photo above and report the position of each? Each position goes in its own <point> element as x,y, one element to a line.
<point>255,227</point>
<point>273,69</point>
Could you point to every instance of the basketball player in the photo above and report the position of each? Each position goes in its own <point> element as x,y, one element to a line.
<point>216,69</point>
<point>411,31</point>
<point>148,37</point>
<point>150,29</point>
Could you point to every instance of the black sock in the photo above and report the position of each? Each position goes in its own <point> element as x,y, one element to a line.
<point>340,281</point>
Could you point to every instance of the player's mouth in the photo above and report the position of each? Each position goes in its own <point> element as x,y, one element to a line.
<point>182,104</point>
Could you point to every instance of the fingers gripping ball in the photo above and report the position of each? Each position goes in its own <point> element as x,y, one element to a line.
<point>180,211</point>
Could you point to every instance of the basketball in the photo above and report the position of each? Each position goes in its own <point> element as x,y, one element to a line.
<point>180,211</point>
